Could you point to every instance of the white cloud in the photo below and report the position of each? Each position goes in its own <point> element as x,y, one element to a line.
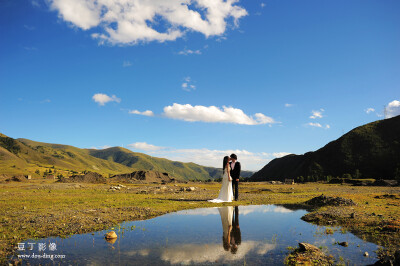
<point>318,125</point>
<point>288,105</point>
<point>213,114</point>
<point>130,22</point>
<point>101,147</point>
<point>187,85</point>
<point>145,113</point>
<point>392,109</point>
<point>126,64</point>
<point>370,110</point>
<point>280,154</point>
<point>263,5</point>
<point>317,114</point>
<point>211,252</point>
<point>252,161</point>
<point>189,52</point>
<point>144,146</point>
<point>102,98</point>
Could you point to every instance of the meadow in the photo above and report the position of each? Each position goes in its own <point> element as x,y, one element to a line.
<point>41,208</point>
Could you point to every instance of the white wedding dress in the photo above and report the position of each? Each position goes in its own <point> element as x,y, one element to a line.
<point>226,192</point>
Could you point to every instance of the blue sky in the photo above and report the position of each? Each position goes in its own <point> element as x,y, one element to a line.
<point>196,80</point>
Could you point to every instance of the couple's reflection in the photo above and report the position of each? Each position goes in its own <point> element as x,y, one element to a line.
<point>231,237</point>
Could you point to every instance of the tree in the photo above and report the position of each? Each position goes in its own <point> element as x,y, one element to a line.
<point>348,176</point>
<point>37,172</point>
<point>357,174</point>
<point>397,174</point>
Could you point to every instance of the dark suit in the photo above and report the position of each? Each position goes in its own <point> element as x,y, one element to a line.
<point>237,236</point>
<point>235,174</point>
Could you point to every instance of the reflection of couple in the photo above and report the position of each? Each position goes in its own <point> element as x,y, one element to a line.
<point>230,180</point>
<point>231,237</point>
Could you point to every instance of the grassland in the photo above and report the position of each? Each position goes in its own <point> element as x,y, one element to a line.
<point>42,208</point>
<point>24,156</point>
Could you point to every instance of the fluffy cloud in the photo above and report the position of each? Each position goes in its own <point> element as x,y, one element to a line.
<point>392,109</point>
<point>211,253</point>
<point>252,161</point>
<point>318,125</point>
<point>317,114</point>
<point>214,114</point>
<point>143,146</point>
<point>102,98</point>
<point>370,110</point>
<point>146,113</point>
<point>280,154</point>
<point>129,22</point>
<point>288,105</point>
<point>314,124</point>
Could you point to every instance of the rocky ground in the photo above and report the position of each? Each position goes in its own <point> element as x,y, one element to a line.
<point>43,208</point>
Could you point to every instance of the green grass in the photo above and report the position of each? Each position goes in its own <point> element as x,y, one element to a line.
<point>23,156</point>
<point>43,208</point>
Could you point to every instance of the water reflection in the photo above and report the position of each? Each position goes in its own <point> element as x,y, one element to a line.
<point>249,235</point>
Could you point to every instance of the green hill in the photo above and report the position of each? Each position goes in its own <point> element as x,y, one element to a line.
<point>23,156</point>
<point>368,151</point>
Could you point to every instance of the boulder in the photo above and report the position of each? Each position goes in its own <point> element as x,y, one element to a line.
<point>111,235</point>
<point>329,201</point>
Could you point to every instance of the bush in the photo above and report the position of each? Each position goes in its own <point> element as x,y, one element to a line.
<point>348,176</point>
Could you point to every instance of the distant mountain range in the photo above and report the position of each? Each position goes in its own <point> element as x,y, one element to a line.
<point>368,151</point>
<point>23,156</point>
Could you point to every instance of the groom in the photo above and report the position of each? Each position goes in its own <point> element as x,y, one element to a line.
<point>235,174</point>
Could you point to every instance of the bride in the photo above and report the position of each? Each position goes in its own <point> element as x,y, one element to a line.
<point>226,193</point>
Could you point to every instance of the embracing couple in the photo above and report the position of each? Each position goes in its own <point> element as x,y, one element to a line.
<point>230,180</point>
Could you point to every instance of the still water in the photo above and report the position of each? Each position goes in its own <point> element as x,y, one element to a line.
<point>244,235</point>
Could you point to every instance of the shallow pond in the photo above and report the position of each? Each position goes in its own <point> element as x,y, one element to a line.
<point>244,235</point>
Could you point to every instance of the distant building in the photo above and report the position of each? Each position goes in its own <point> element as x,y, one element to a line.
<point>289,181</point>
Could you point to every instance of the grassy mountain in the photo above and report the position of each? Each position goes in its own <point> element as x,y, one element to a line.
<point>368,151</point>
<point>140,161</point>
<point>23,156</point>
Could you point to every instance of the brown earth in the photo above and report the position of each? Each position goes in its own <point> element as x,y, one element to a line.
<point>144,176</point>
<point>90,177</point>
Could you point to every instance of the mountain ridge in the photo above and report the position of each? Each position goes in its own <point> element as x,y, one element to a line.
<point>24,156</point>
<point>368,151</point>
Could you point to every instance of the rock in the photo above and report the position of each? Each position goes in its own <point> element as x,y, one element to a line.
<point>308,254</point>
<point>353,215</point>
<point>111,240</point>
<point>366,254</point>
<point>330,201</point>
<point>89,177</point>
<point>182,189</point>
<point>307,247</point>
<point>111,235</point>
<point>190,189</point>
<point>344,244</point>
<point>163,188</point>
